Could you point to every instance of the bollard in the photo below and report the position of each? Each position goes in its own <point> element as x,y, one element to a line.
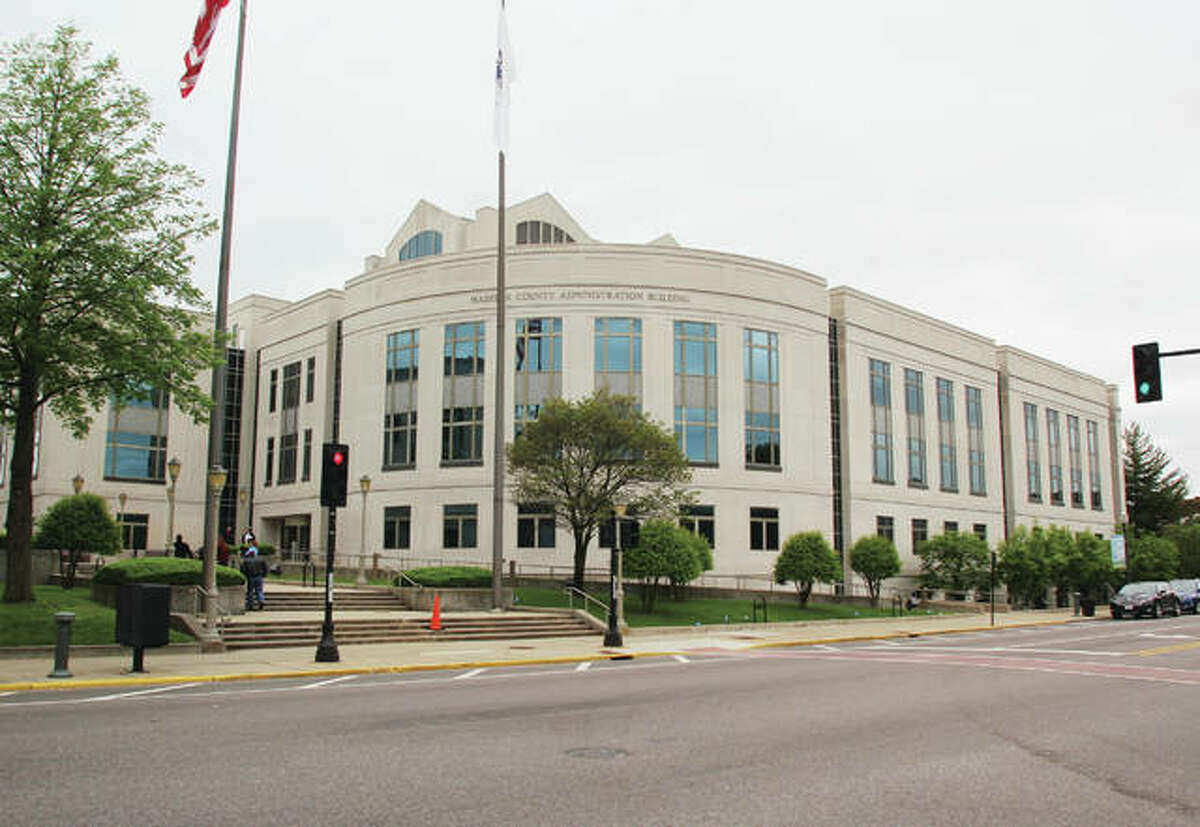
<point>62,646</point>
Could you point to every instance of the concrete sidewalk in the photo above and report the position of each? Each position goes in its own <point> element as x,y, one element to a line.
<point>185,665</point>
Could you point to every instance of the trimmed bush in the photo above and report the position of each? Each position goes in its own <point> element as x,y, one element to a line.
<point>450,577</point>
<point>171,571</point>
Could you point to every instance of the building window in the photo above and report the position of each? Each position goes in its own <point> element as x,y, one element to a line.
<point>37,439</point>
<point>271,393</point>
<point>696,391</point>
<point>397,527</point>
<point>400,406</point>
<point>881,422</point>
<point>764,529</point>
<point>1093,438</point>
<point>1075,457</point>
<point>289,424</point>
<point>947,450</point>
<point>458,526</point>
<point>269,473</point>
<point>619,357</point>
<point>885,527</point>
<point>538,368</point>
<point>310,383</point>
<point>1033,463</point>
<point>306,467</point>
<point>980,531</point>
<point>920,533</point>
<point>134,531</point>
<point>700,519</point>
<point>424,243</point>
<point>914,409</point>
<point>975,466</point>
<point>462,393</point>
<point>1054,446</point>
<point>542,232</point>
<point>950,527</point>
<point>761,366</point>
<point>136,442</point>
<point>535,525</point>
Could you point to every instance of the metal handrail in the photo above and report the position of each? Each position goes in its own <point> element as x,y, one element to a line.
<point>405,578</point>
<point>571,592</point>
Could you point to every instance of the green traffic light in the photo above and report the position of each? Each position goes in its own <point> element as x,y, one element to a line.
<point>1144,388</point>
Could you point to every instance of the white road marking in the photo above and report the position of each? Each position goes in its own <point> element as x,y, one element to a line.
<point>681,659</point>
<point>6,694</point>
<point>470,674</point>
<point>828,648</point>
<point>1013,650</point>
<point>1169,637</point>
<point>583,667</point>
<point>328,682</point>
<point>138,692</point>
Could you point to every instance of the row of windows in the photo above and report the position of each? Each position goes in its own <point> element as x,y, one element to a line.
<point>291,384</point>
<point>882,468</point>
<point>885,526</point>
<point>429,242</point>
<point>1033,464</point>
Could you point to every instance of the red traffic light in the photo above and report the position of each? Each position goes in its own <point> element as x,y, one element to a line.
<point>338,458</point>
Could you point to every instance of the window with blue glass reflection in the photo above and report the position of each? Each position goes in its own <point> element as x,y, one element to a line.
<point>424,243</point>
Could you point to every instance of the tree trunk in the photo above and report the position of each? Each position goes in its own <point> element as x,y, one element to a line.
<point>803,590</point>
<point>581,544</point>
<point>18,584</point>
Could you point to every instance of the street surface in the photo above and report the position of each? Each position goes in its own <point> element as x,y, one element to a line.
<point>1088,723</point>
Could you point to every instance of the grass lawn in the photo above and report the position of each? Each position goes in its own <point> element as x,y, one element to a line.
<point>32,624</point>
<point>706,611</point>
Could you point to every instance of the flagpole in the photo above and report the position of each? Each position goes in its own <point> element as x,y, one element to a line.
<point>498,418</point>
<point>216,425</point>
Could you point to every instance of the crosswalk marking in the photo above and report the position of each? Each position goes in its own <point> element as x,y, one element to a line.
<point>135,693</point>
<point>327,682</point>
<point>470,674</point>
<point>583,667</point>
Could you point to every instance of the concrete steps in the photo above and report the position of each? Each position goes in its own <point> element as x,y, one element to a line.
<point>292,601</point>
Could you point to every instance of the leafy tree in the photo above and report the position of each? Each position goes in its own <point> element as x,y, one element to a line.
<point>95,301</point>
<point>1154,495</point>
<point>583,457</point>
<point>1023,566</point>
<point>1088,566</point>
<point>1187,539</point>
<point>665,552</point>
<point>1059,546</point>
<point>1152,558</point>
<point>874,559</point>
<point>77,524</point>
<point>806,558</point>
<point>954,562</point>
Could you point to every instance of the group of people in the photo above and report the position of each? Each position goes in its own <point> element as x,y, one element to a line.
<point>253,565</point>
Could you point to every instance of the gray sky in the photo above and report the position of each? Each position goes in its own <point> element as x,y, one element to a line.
<point>1026,170</point>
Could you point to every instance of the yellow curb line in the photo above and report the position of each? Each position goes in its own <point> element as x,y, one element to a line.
<point>1162,650</point>
<point>93,683</point>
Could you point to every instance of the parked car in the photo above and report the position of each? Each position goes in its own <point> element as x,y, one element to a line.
<point>1188,592</point>
<point>1151,598</point>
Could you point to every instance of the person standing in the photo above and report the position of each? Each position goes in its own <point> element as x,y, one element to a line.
<point>182,549</point>
<point>255,569</point>
<point>223,547</point>
<point>248,537</point>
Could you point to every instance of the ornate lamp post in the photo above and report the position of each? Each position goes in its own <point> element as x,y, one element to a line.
<point>121,498</point>
<point>173,469</point>
<point>77,483</point>
<point>613,636</point>
<point>364,485</point>
<point>212,641</point>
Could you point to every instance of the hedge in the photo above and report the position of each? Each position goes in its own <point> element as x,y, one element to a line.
<point>172,571</point>
<point>449,577</point>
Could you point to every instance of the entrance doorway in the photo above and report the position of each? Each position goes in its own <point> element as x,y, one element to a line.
<point>294,539</point>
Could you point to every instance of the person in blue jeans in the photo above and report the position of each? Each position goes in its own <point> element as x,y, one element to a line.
<point>255,569</point>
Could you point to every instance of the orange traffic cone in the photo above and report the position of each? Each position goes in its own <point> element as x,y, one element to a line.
<point>435,622</point>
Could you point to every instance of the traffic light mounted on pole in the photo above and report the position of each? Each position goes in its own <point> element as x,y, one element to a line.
<point>335,471</point>
<point>1147,377</point>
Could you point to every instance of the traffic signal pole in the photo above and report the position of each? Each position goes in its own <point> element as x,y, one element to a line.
<point>1147,376</point>
<point>335,470</point>
<point>327,649</point>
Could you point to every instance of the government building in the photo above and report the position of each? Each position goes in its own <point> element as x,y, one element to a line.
<point>799,406</point>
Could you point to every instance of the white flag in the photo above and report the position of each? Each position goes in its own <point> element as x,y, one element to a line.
<point>505,75</point>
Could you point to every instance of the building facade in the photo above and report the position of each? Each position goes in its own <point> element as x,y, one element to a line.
<point>799,407</point>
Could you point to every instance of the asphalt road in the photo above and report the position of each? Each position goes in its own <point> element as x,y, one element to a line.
<point>1090,723</point>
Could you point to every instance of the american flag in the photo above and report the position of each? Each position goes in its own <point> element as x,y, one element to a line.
<point>193,59</point>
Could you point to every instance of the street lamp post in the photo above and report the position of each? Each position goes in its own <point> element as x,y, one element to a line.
<point>173,468</point>
<point>212,641</point>
<point>77,483</point>
<point>121,498</point>
<point>613,636</point>
<point>364,484</point>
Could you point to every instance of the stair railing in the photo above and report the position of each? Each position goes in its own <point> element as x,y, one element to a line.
<point>404,578</point>
<point>572,592</point>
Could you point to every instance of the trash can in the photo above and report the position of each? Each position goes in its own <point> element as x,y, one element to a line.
<point>1089,607</point>
<point>143,615</point>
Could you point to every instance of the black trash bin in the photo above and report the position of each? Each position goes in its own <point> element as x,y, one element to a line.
<point>143,617</point>
<point>1088,606</point>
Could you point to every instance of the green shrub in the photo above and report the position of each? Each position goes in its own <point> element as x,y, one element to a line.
<point>806,558</point>
<point>264,549</point>
<point>450,577</point>
<point>169,570</point>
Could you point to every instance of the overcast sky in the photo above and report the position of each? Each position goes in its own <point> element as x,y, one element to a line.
<point>1026,170</point>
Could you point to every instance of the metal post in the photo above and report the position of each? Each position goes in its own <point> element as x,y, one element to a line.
<point>62,646</point>
<point>498,416</point>
<point>212,641</point>
<point>327,649</point>
<point>364,485</point>
<point>993,589</point>
<point>613,636</point>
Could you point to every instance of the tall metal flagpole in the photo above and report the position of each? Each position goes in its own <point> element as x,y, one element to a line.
<point>216,426</point>
<point>503,66</point>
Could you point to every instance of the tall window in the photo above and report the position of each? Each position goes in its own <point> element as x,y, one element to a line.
<point>134,531</point>
<point>914,409</point>
<point>289,423</point>
<point>619,356</point>
<point>1093,438</point>
<point>310,383</point>
<point>696,390</point>
<point>761,366</point>
<point>764,529</point>
<point>542,232</point>
<point>458,526</point>
<point>1075,457</point>
<point>462,393</point>
<point>273,390</point>
<point>400,406</point>
<point>920,533</point>
<point>1054,447</point>
<point>701,520</point>
<point>269,471</point>
<point>136,443</point>
<point>885,527</point>
<point>535,525</point>
<point>975,464</point>
<point>881,422</point>
<point>306,466</point>
<point>947,450</point>
<point>397,526</point>
<point>1033,463</point>
<point>424,243</point>
<point>538,368</point>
